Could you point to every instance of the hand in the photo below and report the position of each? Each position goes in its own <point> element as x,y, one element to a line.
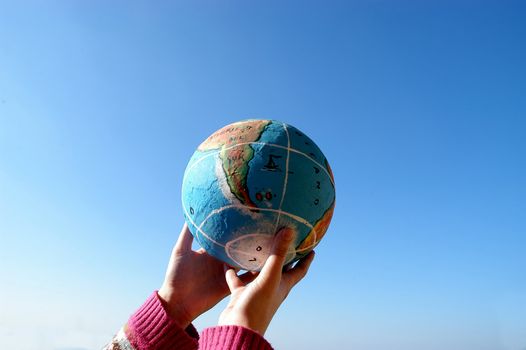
<point>253,305</point>
<point>194,281</point>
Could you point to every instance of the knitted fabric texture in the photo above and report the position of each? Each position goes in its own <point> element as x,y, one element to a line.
<point>150,328</point>
<point>232,337</point>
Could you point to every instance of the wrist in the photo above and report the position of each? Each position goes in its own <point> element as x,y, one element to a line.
<point>231,317</point>
<point>151,327</point>
<point>174,308</point>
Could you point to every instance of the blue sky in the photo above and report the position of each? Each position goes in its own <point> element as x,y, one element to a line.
<point>419,107</point>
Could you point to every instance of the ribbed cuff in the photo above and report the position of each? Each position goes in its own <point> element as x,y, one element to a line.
<point>150,328</point>
<point>232,338</point>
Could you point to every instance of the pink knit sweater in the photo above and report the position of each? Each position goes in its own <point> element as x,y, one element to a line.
<point>150,328</point>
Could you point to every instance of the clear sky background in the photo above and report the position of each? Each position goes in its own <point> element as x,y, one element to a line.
<point>419,106</point>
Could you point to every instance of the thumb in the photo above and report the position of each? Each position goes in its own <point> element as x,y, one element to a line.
<point>274,264</point>
<point>232,279</point>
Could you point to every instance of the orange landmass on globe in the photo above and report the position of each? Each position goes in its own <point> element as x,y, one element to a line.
<point>235,159</point>
<point>318,231</point>
<point>329,170</point>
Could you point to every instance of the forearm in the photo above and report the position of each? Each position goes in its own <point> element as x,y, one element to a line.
<point>150,328</point>
<point>232,338</point>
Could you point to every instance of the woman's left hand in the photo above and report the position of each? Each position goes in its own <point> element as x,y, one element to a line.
<point>194,282</point>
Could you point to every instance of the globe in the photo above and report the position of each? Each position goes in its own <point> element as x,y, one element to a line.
<point>250,179</point>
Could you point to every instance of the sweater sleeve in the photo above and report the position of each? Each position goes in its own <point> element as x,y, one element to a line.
<point>232,338</point>
<point>150,328</point>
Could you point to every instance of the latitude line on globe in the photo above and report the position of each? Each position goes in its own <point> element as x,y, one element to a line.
<point>258,143</point>
<point>199,230</point>
<point>294,217</point>
<point>216,211</point>
<point>242,206</point>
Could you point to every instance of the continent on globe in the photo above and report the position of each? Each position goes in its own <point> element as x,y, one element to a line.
<point>235,159</point>
<point>317,232</point>
<point>248,180</point>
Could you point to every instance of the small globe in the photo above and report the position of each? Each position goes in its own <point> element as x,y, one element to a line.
<point>250,179</point>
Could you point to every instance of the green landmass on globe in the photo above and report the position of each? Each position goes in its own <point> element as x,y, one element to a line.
<point>235,159</point>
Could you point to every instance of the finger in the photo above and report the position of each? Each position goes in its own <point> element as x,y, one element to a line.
<point>288,267</point>
<point>274,264</point>
<point>248,277</point>
<point>232,279</point>
<point>296,274</point>
<point>184,242</point>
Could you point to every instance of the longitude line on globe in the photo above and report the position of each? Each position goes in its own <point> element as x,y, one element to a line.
<point>285,180</point>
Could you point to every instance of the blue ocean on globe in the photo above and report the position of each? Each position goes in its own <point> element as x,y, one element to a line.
<point>250,179</point>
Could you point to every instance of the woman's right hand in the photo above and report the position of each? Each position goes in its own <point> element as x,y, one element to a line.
<point>254,304</point>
